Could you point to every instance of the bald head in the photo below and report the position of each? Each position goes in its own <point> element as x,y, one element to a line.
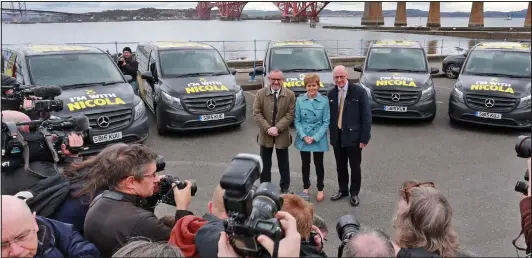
<point>216,205</point>
<point>13,206</point>
<point>369,243</point>
<point>340,76</point>
<point>16,117</point>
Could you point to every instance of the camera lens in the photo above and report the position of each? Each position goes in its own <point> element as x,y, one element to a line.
<point>266,202</point>
<point>521,187</point>
<point>347,226</point>
<point>522,147</point>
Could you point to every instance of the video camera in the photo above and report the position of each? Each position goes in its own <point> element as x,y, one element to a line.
<point>346,228</point>
<point>250,211</point>
<point>523,149</point>
<point>61,127</point>
<point>42,107</point>
<point>166,194</point>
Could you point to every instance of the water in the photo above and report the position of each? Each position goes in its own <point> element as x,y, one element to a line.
<point>237,39</point>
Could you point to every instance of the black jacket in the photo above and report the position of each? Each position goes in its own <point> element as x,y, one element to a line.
<point>130,68</point>
<point>115,217</point>
<point>356,118</point>
<point>207,237</point>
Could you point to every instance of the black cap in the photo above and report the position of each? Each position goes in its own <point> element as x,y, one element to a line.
<point>127,49</point>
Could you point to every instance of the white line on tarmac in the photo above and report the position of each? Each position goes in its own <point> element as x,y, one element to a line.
<point>250,93</point>
<point>441,87</point>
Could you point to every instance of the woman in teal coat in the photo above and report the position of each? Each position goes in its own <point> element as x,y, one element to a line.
<point>312,120</point>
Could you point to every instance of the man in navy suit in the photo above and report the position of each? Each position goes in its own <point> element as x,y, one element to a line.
<point>350,131</point>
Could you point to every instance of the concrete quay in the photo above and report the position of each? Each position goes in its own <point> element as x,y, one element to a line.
<point>465,32</point>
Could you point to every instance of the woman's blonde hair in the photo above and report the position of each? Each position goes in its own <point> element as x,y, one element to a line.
<point>311,77</point>
<point>425,222</point>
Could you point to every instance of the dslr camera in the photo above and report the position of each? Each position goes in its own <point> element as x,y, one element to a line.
<point>523,150</point>
<point>346,228</point>
<point>166,194</point>
<point>250,211</point>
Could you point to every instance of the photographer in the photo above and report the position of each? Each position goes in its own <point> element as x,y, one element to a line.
<point>129,66</point>
<point>526,212</point>
<point>369,243</point>
<point>16,174</point>
<point>127,209</point>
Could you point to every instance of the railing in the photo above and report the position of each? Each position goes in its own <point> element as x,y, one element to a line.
<point>255,49</point>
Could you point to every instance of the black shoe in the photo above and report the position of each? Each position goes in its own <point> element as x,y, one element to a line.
<point>338,196</point>
<point>354,200</point>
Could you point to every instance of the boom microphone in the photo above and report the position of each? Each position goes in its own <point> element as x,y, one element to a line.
<point>76,123</point>
<point>44,91</point>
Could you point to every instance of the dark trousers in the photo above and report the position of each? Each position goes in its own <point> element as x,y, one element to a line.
<point>282,161</point>
<point>305,168</point>
<point>353,154</point>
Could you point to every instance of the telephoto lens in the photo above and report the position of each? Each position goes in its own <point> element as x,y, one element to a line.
<point>522,147</point>
<point>346,227</point>
<point>521,187</point>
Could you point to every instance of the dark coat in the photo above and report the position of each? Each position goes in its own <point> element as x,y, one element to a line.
<point>356,121</point>
<point>115,217</point>
<point>57,239</point>
<point>74,209</point>
<point>208,236</point>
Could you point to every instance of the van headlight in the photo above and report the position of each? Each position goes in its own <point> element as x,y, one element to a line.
<point>525,102</point>
<point>458,94</point>
<point>427,93</point>
<point>172,101</point>
<point>140,110</point>
<point>239,97</point>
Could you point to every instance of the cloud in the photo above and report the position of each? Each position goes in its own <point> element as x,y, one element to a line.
<point>82,7</point>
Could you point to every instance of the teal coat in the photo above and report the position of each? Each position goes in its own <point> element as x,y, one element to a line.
<point>312,119</point>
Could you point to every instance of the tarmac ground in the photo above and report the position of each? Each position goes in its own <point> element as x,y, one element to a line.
<point>474,166</point>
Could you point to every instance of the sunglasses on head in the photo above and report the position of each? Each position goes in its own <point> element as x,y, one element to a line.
<point>405,191</point>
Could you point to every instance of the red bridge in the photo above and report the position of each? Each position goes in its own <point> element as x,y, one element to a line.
<point>290,11</point>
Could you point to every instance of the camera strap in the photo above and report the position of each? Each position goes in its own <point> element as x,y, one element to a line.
<point>276,245</point>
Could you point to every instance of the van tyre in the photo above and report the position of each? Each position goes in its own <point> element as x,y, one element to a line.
<point>161,130</point>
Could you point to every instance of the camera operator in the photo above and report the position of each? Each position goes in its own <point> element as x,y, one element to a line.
<point>289,246</point>
<point>127,209</point>
<point>16,176</point>
<point>129,66</point>
<point>369,243</point>
<point>526,212</point>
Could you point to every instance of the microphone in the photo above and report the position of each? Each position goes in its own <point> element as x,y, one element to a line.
<point>77,123</point>
<point>44,91</point>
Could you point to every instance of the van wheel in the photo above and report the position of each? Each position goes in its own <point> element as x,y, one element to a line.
<point>431,118</point>
<point>453,121</point>
<point>161,130</point>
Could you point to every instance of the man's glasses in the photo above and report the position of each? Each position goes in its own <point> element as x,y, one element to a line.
<point>152,176</point>
<point>21,238</point>
<point>405,192</point>
<point>339,77</point>
<point>276,79</point>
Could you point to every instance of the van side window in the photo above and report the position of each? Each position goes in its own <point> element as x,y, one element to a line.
<point>152,64</point>
<point>20,71</point>
<point>142,58</point>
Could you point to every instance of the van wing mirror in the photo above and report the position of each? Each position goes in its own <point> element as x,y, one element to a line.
<point>146,76</point>
<point>358,68</point>
<point>232,71</point>
<point>259,70</point>
<point>434,70</point>
<point>129,78</point>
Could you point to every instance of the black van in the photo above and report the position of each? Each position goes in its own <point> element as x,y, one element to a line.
<point>493,86</point>
<point>188,86</point>
<point>398,79</point>
<point>296,58</point>
<point>91,84</point>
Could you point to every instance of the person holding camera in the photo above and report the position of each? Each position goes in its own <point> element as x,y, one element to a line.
<point>273,110</point>
<point>311,122</point>
<point>129,66</point>
<point>289,246</point>
<point>27,165</point>
<point>526,212</point>
<point>127,209</point>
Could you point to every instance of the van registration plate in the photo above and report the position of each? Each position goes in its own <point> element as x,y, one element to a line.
<point>211,117</point>
<point>107,137</point>
<point>394,109</point>
<point>488,115</point>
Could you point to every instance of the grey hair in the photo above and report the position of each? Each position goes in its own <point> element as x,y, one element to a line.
<point>144,247</point>
<point>319,223</point>
<point>369,242</point>
<point>276,71</point>
<point>338,67</point>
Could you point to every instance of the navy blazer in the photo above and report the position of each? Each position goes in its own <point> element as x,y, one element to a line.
<point>356,121</point>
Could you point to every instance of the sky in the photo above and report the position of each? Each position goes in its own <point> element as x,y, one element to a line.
<point>82,7</point>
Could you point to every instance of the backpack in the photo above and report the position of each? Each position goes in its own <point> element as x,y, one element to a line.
<point>46,196</point>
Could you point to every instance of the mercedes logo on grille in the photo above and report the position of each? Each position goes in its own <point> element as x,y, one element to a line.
<point>211,104</point>
<point>396,96</point>
<point>103,121</point>
<point>489,102</point>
